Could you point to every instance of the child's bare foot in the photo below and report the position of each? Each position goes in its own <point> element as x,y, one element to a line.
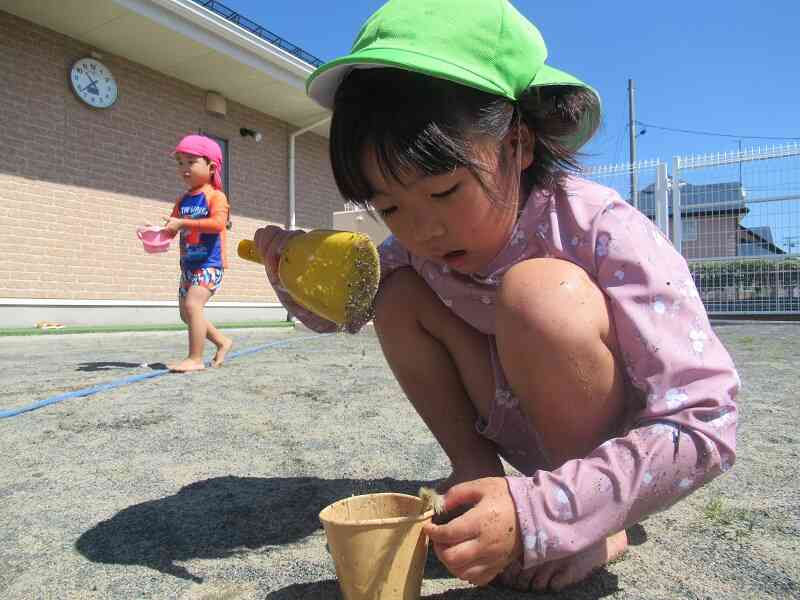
<point>561,573</point>
<point>186,365</point>
<point>222,350</point>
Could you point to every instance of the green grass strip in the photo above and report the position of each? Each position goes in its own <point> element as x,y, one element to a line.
<point>68,329</point>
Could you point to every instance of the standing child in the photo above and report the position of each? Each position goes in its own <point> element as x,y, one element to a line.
<point>527,313</point>
<point>201,217</point>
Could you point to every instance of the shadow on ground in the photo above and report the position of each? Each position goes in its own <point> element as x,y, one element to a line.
<point>111,365</point>
<point>221,517</point>
<point>224,516</point>
<point>599,585</point>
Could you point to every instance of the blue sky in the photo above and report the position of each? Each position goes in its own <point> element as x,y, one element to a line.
<point>706,65</point>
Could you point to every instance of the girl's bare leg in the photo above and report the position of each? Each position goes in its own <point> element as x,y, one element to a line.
<point>213,335</point>
<point>192,312</point>
<point>222,342</point>
<point>443,366</point>
<point>558,349</point>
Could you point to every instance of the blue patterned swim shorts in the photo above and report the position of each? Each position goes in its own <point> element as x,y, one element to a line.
<point>210,278</point>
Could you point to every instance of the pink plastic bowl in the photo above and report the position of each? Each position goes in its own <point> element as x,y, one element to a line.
<point>154,239</point>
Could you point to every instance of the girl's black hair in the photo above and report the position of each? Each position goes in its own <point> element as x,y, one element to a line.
<point>419,123</point>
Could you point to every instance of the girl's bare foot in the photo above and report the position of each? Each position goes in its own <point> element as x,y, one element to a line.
<point>186,365</point>
<point>222,350</point>
<point>561,573</point>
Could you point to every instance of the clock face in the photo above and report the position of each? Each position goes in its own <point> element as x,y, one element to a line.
<point>93,83</point>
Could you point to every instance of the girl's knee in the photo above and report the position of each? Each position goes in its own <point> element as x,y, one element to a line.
<point>399,297</point>
<point>192,306</point>
<point>551,298</point>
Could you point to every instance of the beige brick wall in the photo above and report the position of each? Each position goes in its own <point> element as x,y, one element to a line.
<point>75,182</point>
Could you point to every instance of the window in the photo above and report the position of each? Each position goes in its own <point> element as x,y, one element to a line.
<point>689,230</point>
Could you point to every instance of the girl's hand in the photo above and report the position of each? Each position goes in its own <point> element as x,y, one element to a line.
<point>173,224</point>
<point>270,241</point>
<point>478,545</point>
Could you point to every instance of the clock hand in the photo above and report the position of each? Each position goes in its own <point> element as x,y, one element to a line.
<point>92,82</point>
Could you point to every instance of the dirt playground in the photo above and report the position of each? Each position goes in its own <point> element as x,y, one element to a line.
<point>208,486</point>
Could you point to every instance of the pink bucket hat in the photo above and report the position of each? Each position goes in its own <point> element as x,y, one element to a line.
<point>200,145</point>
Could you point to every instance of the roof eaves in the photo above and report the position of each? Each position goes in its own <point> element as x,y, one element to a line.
<point>206,27</point>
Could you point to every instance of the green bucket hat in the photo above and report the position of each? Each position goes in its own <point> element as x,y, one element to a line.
<point>483,44</point>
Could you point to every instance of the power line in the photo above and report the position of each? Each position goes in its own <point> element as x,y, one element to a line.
<point>729,135</point>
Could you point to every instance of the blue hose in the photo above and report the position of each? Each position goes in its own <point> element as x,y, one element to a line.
<point>96,389</point>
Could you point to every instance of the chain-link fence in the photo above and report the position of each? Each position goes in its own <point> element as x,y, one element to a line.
<point>734,216</point>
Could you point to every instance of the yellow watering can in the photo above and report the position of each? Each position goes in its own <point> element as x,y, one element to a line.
<point>334,274</point>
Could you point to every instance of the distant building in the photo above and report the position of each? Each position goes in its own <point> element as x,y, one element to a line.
<point>756,241</point>
<point>710,221</point>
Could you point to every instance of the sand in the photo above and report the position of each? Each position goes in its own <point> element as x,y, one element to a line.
<point>208,485</point>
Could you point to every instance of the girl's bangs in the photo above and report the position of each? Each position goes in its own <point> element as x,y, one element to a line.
<point>402,148</point>
<point>410,127</point>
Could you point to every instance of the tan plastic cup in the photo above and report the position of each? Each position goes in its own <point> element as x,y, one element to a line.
<point>377,545</point>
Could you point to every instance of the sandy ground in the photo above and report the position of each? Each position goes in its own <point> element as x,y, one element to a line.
<point>207,486</point>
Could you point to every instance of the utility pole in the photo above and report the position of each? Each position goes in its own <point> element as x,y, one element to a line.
<point>740,164</point>
<point>632,131</point>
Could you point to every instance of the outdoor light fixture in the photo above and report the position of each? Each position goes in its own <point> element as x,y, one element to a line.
<point>256,135</point>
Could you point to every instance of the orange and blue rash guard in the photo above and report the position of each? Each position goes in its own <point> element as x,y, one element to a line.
<point>203,240</point>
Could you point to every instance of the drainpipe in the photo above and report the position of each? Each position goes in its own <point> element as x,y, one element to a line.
<point>292,221</point>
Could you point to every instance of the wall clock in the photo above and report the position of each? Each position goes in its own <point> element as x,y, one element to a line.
<point>93,83</point>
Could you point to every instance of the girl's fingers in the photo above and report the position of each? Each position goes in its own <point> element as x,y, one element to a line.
<point>468,493</point>
<point>272,255</point>
<point>270,242</point>
<point>265,240</point>
<point>277,245</point>
<point>468,562</point>
<point>480,575</point>
<point>455,532</point>
<point>460,557</point>
<point>263,237</point>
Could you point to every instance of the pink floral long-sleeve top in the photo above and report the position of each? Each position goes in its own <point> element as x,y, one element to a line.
<point>684,435</point>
